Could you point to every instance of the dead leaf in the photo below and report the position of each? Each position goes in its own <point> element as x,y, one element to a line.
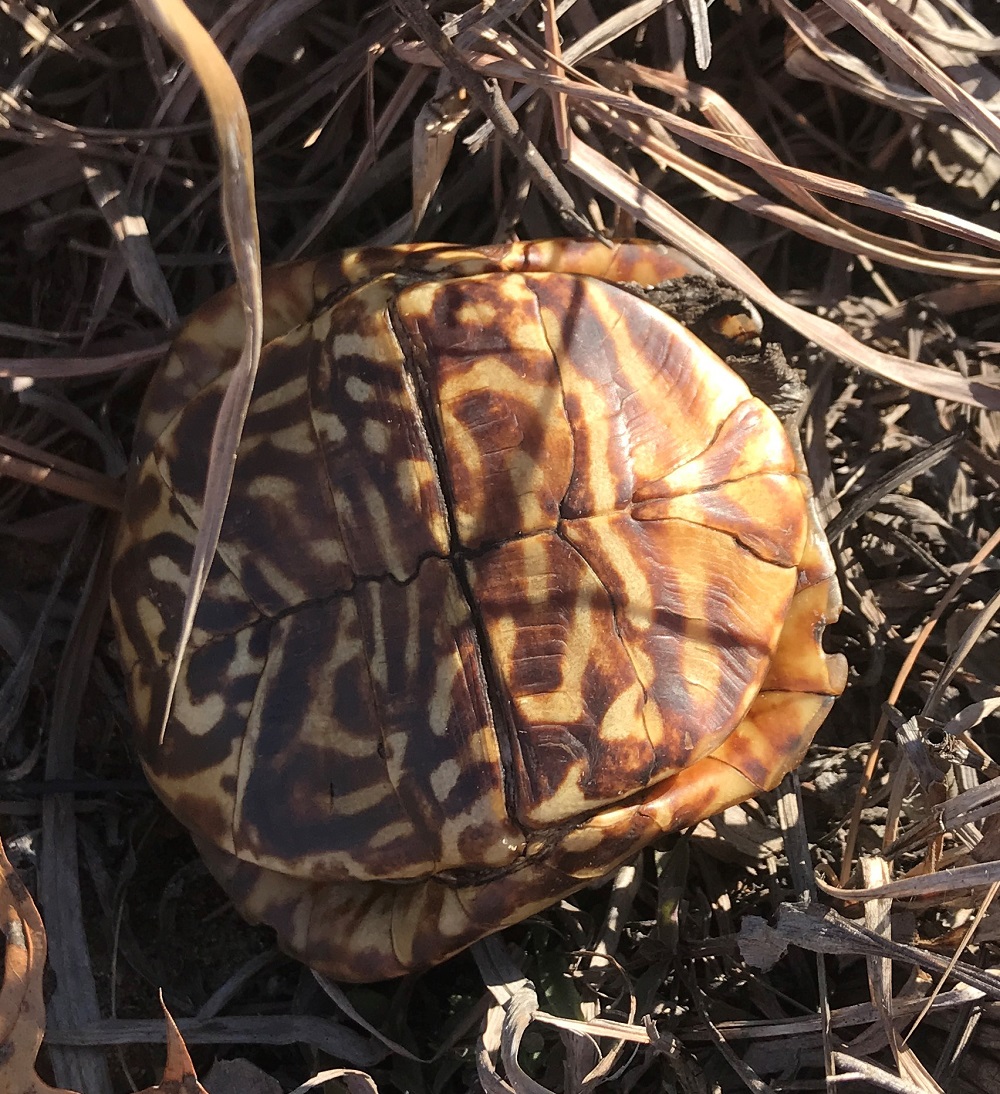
<point>22,1008</point>
<point>434,134</point>
<point>231,124</point>
<point>178,1072</point>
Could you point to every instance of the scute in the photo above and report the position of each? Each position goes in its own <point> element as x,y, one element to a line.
<point>494,391</point>
<point>375,450</point>
<point>515,576</point>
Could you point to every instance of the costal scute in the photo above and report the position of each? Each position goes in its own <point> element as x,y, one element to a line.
<point>515,576</point>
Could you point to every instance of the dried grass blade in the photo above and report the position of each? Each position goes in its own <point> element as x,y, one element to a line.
<point>851,1069</point>
<point>232,132</point>
<point>971,716</point>
<point>108,495</point>
<point>36,173</point>
<point>829,230</point>
<point>434,134</point>
<point>920,68</point>
<point>357,1082</point>
<point>732,136</point>
<point>593,41</point>
<point>701,35</point>
<point>132,235</point>
<point>337,996</point>
<point>518,1016</point>
<point>746,147</point>
<point>379,132</point>
<point>795,837</point>
<point>977,875</point>
<point>959,950</point>
<point>822,930</point>
<point>950,300</point>
<point>875,871</point>
<point>321,1034</point>
<point>854,1014</point>
<point>35,28</point>
<point>746,1074</point>
<point>553,46</point>
<point>599,1027</point>
<point>492,104</point>
<point>972,806</point>
<point>735,139</point>
<point>14,689</point>
<point>907,470</point>
<point>653,211</point>
<point>487,1049</point>
<point>971,636</point>
<point>514,1007</point>
<point>972,41</point>
<point>269,21</point>
<point>74,1002</point>
<point>69,368</point>
<point>815,57</point>
<point>871,761</point>
<point>825,1016</point>
<point>31,464</point>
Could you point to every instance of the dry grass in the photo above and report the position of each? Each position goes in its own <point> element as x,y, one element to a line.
<point>840,166</point>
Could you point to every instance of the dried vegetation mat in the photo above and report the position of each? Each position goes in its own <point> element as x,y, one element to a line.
<point>837,162</point>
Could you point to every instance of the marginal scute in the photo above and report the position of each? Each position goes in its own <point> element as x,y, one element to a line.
<point>773,736</point>
<point>734,508</point>
<point>515,576</point>
<point>750,441</point>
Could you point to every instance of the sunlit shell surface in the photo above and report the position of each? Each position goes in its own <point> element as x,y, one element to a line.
<point>515,576</point>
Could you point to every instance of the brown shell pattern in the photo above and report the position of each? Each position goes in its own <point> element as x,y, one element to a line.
<point>515,576</point>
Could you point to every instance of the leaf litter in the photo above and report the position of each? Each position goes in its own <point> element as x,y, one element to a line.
<point>838,162</point>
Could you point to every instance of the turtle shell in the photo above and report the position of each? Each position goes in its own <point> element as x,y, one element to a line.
<point>515,576</point>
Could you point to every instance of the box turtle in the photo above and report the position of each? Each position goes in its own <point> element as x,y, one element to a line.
<point>516,575</point>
